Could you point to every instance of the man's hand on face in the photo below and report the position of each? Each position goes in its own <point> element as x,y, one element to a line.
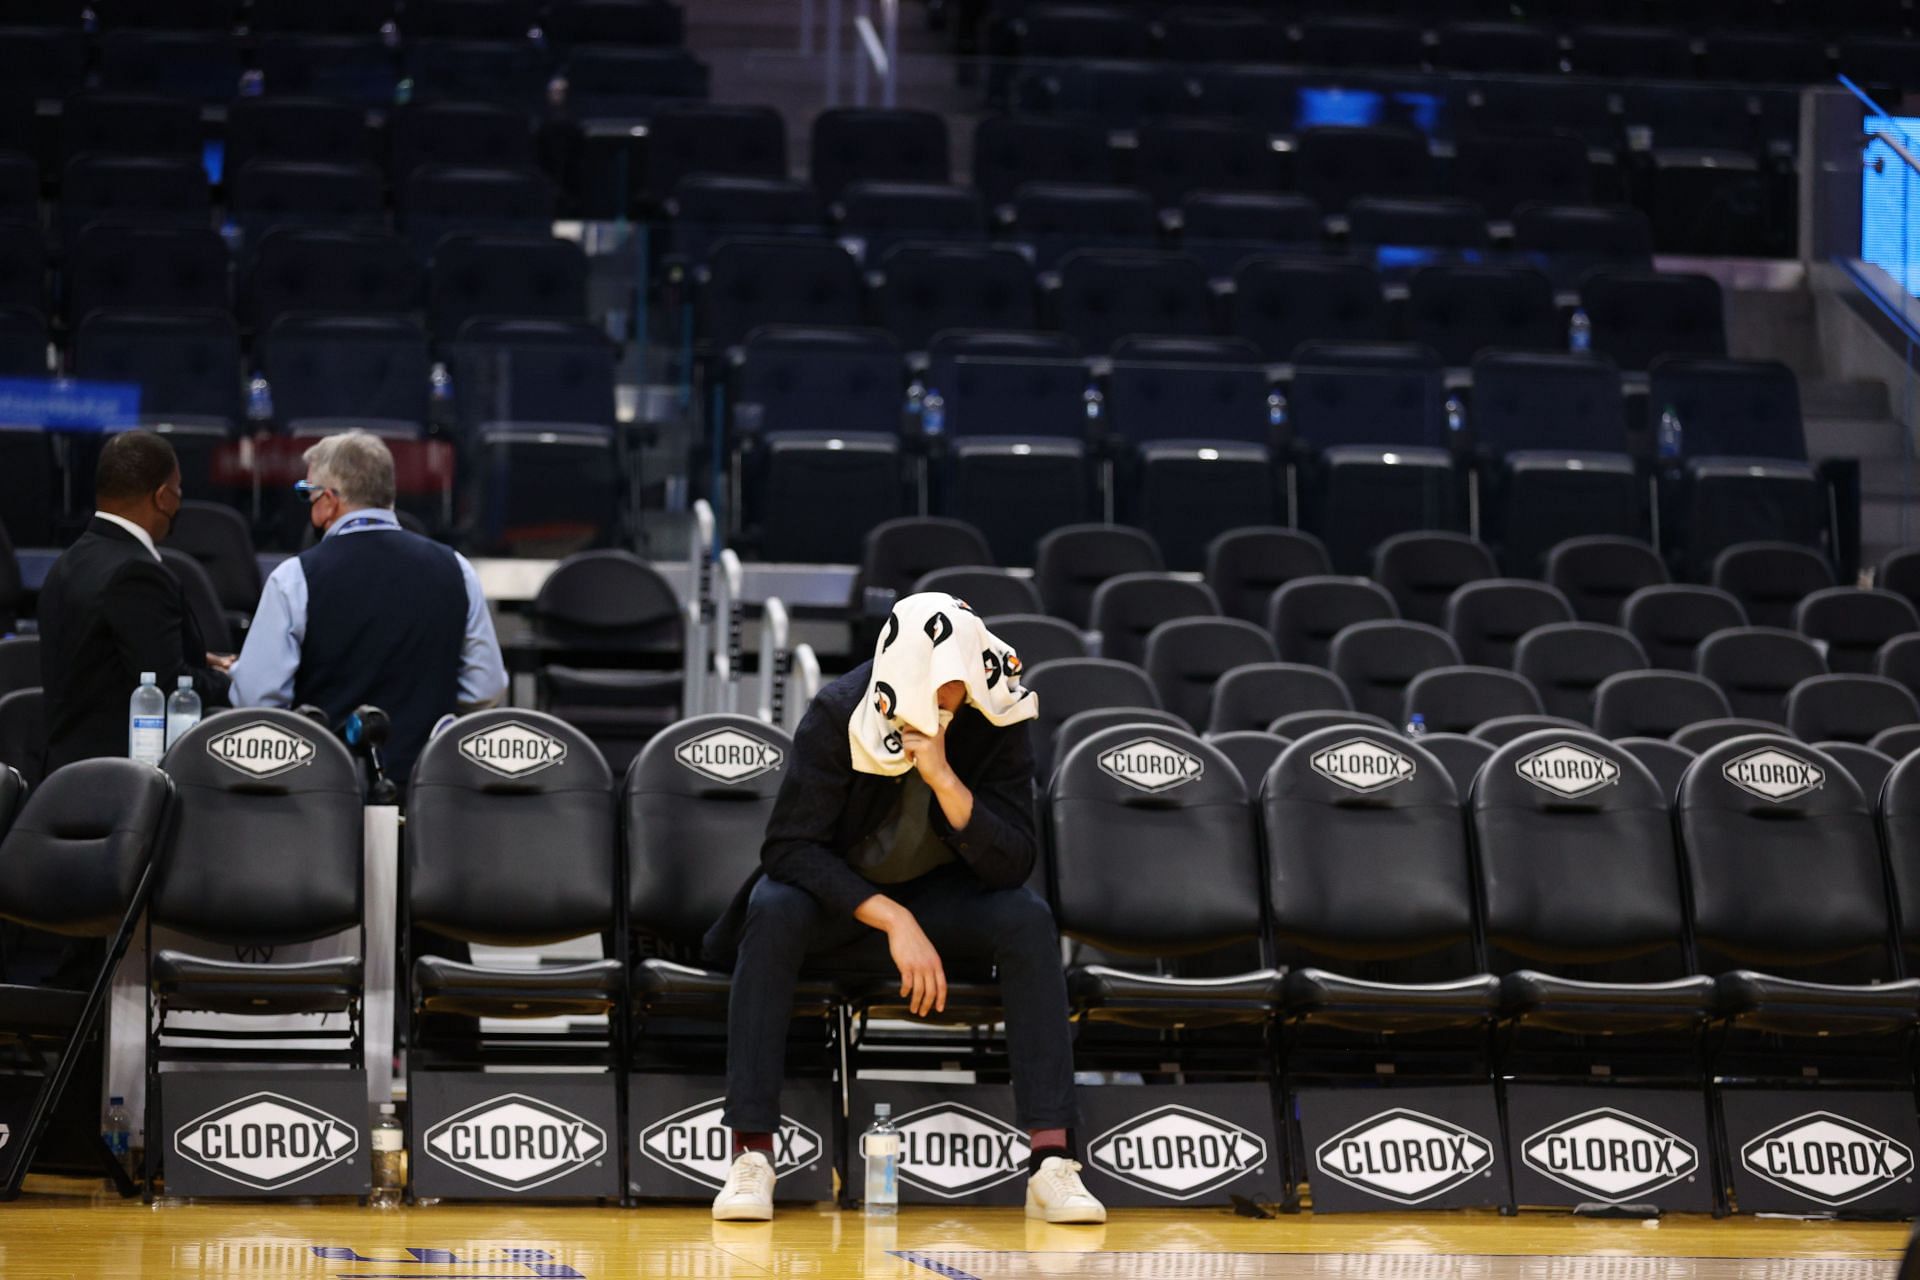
<point>929,755</point>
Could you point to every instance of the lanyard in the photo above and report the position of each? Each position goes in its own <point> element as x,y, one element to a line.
<point>360,522</point>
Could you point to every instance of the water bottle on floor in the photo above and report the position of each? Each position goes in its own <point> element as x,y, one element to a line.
<point>117,1132</point>
<point>147,721</point>
<point>880,1146</point>
<point>389,1142</point>
<point>183,710</point>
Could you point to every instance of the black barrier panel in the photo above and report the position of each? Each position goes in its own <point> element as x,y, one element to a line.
<point>532,1137</point>
<point>265,1133</point>
<point>1145,1146</point>
<point>1438,1148</point>
<point>1821,1150</point>
<point>1574,1145</point>
<point>958,1143</point>
<point>681,1150</point>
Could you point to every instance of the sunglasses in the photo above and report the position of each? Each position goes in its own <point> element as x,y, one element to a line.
<point>310,491</point>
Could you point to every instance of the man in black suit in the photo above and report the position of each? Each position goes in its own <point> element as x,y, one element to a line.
<point>110,609</point>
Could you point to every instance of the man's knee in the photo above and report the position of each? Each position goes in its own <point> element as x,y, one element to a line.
<point>780,912</point>
<point>1022,921</point>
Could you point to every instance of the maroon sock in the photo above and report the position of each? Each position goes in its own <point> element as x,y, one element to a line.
<point>761,1142</point>
<point>1046,1142</point>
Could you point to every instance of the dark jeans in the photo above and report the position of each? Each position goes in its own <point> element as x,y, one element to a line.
<point>970,925</point>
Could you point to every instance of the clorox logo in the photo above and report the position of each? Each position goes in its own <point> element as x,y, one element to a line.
<point>695,1144</point>
<point>1828,1159</point>
<point>1177,1152</point>
<point>261,749</point>
<point>1773,774</point>
<point>513,750</point>
<point>1568,771</point>
<point>951,1150</point>
<point>728,755</point>
<point>1404,1156</point>
<point>516,1143</point>
<point>1610,1155</point>
<point>1151,765</point>
<point>1363,765</point>
<point>265,1141</point>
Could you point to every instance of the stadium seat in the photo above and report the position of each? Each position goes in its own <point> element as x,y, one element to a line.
<point>1770,579</point>
<point>1054,219</point>
<point>1305,614</point>
<point>1377,929</point>
<point>134,268</point>
<point>466,134</point>
<point>1756,667</point>
<point>1060,33</point>
<point>1455,699</point>
<point>331,373</point>
<point>1222,229</point>
<point>707,210</point>
<point>1246,566</point>
<point>1115,872</point>
<point>1553,429</point>
<point>202,65</point>
<point>1298,724</point>
<point>142,190</point>
<point>1105,296</point>
<point>712,139</point>
<point>1081,725</point>
<point>23,281</point>
<point>1280,303</point>
<point>1011,151</point>
<point>217,537</point>
<point>1378,660</point>
<point>19,663</point>
<point>267,194</point>
<point>1898,742</point>
<point>611,633</point>
<point>1175,157</point>
<point>1899,572</point>
<point>132,124</point>
<point>1435,223</point>
<point>1127,607</point>
<point>751,282</point>
<point>1501,730</point>
<point>873,144</point>
<point>1670,621</point>
<point>1502,174</point>
<point>990,593</point>
<point>1190,659</point>
<point>1460,755</point>
<point>1654,704</point>
<point>1641,52</point>
<point>1852,624</point>
<point>1760,57</point>
<point>1487,618</point>
<point>1251,751</point>
<point>1899,812</point>
<point>436,201</point>
<point>187,366</point>
<point>1666,761</point>
<point>76,861</point>
<point>1848,708</point>
<point>1597,573</point>
<point>1568,661</point>
<point>23,733</point>
<point>1422,570</point>
<point>895,555</point>
<point>1864,764</point>
<point>1070,685</point>
<point>1038,638</point>
<point>1070,564</point>
<point>1638,317</point>
<point>877,216</point>
<point>203,603</point>
<point>1255,694</point>
<point>308,270</point>
<point>609,82</point>
<point>1335,163</point>
<point>360,69</point>
<point>472,19</point>
<point>43,62</point>
<point>1899,659</point>
<point>1701,735</point>
<point>618,22</point>
<point>929,288</point>
<point>1359,41</point>
<point>1585,235</point>
<point>1222,35</point>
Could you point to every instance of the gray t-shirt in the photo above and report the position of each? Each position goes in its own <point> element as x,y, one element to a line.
<point>904,846</point>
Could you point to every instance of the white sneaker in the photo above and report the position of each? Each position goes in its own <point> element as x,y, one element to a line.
<point>748,1195</point>
<point>1056,1194</point>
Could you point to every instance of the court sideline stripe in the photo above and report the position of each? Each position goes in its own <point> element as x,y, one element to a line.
<point>934,1265</point>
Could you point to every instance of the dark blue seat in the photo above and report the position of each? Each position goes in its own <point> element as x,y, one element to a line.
<point>439,200</point>
<point>157,191</point>
<point>645,22</point>
<point>1335,163</point>
<point>708,208</point>
<point>1057,218</point>
<point>202,65</point>
<point>711,138</point>
<point>877,144</point>
<point>359,272</point>
<point>752,282</point>
<point>927,288</point>
<point>486,275</point>
<point>472,19</point>
<point>883,214</point>
<point>1177,157</point>
<point>1501,174</point>
<point>283,127</point>
<point>615,82</point>
<point>1105,296</point>
<point>1222,229</point>
<point>337,18</point>
<point>1434,223</point>
<point>187,366</point>
<point>1279,303</point>
<point>147,268</point>
<point>1516,47</point>
<point>335,373</point>
<point>43,62</point>
<point>508,72</point>
<point>1011,151</point>
<point>1639,317</point>
<point>1567,241</point>
<point>131,124</point>
<point>23,267</point>
<point>301,193</point>
<point>1460,311</point>
<point>359,69</point>
<point>469,134</point>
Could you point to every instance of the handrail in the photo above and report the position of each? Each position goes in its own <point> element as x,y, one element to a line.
<point>775,660</point>
<point>726,632</point>
<point>805,683</point>
<point>698,611</point>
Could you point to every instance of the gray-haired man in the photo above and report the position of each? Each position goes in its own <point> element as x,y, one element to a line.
<point>370,614</point>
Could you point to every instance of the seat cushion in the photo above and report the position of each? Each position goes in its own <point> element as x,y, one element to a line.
<point>39,1011</point>
<point>189,982</point>
<point>550,991</point>
<point>1102,993</point>
<point>665,985</point>
<point>969,1003</point>
<point>1583,1008</point>
<point>1786,1006</point>
<point>1357,1004</point>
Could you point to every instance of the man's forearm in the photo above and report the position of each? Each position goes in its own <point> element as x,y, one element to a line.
<point>956,800</point>
<point>881,912</point>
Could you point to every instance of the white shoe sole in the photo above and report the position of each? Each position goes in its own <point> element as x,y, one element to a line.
<point>743,1213</point>
<point>1067,1217</point>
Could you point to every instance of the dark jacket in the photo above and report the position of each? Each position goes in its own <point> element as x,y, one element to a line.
<point>825,808</point>
<point>109,611</point>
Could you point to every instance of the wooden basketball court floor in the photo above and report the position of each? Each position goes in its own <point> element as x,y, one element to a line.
<point>68,1230</point>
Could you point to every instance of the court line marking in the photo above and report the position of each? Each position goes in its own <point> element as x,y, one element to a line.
<point>940,1268</point>
<point>951,1272</point>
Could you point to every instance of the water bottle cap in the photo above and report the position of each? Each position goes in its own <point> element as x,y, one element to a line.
<point>148,677</point>
<point>186,682</point>
<point>386,1108</point>
<point>881,1110</point>
<point>116,1101</point>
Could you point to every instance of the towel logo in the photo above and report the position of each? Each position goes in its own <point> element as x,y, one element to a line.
<point>695,1144</point>
<point>991,662</point>
<point>1772,774</point>
<point>261,749</point>
<point>884,699</point>
<point>893,632</point>
<point>265,1141</point>
<point>728,755</point>
<point>1610,1155</point>
<point>1404,1156</point>
<point>1827,1158</point>
<point>1150,765</point>
<point>1567,770</point>
<point>1177,1153</point>
<point>513,750</point>
<point>1363,765</point>
<point>516,1143</point>
<point>939,629</point>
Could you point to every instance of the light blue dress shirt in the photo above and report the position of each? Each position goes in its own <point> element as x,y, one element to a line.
<point>263,673</point>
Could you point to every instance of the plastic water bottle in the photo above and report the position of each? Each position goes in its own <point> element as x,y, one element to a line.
<point>933,412</point>
<point>1580,332</point>
<point>880,1146</point>
<point>183,710</point>
<point>1417,726</point>
<point>389,1142</point>
<point>1096,403</point>
<point>117,1132</point>
<point>147,721</point>
<point>440,384</point>
<point>1456,417</point>
<point>1276,410</point>
<point>259,400</point>
<point>1670,442</point>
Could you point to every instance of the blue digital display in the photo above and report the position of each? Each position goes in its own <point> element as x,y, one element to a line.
<point>1889,214</point>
